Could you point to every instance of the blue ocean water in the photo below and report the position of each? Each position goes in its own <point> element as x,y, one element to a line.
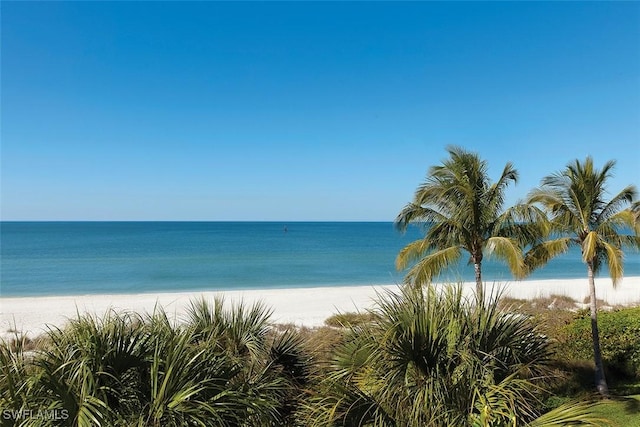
<point>66,258</point>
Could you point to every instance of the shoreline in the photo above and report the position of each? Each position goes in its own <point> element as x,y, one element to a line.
<point>308,306</point>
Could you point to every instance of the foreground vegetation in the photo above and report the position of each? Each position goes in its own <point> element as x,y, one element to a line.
<point>438,359</point>
<point>220,367</point>
<point>419,358</point>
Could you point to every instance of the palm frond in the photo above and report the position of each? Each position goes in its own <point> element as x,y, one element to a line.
<point>617,203</point>
<point>287,352</point>
<point>541,253</point>
<point>431,265</point>
<point>590,246</point>
<point>570,414</point>
<point>412,252</point>
<point>624,222</point>
<point>508,250</point>
<point>415,213</point>
<point>525,223</point>
<point>635,211</point>
<point>14,374</point>
<point>614,261</point>
<point>495,194</point>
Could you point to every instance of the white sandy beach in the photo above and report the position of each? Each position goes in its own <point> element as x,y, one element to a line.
<point>301,306</point>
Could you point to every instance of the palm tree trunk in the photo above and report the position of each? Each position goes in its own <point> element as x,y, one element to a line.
<point>478,270</point>
<point>601,381</point>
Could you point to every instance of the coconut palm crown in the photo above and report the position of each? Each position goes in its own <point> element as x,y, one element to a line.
<point>580,215</point>
<point>462,210</point>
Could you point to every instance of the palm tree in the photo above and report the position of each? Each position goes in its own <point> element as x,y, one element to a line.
<point>580,216</point>
<point>463,212</point>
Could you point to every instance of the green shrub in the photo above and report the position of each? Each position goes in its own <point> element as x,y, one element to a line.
<point>434,358</point>
<point>341,320</point>
<point>619,340</point>
<point>220,367</point>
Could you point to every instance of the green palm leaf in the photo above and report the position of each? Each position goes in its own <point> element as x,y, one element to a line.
<point>569,415</point>
<point>427,268</point>
<point>509,250</point>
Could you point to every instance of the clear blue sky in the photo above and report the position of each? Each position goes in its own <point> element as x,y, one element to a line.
<point>302,111</point>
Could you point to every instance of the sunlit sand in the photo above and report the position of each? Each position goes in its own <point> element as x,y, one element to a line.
<point>301,306</point>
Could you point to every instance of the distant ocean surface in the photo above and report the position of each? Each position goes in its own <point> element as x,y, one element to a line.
<point>69,258</point>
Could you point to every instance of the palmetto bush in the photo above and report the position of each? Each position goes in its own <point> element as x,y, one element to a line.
<point>431,358</point>
<point>217,368</point>
<point>423,358</point>
<point>15,374</point>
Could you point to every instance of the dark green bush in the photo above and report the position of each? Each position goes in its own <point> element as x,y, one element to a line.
<point>619,340</point>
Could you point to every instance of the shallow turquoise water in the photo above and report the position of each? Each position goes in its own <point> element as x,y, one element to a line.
<point>58,258</point>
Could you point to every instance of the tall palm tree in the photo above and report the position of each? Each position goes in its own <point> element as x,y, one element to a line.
<point>462,209</point>
<point>575,199</point>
